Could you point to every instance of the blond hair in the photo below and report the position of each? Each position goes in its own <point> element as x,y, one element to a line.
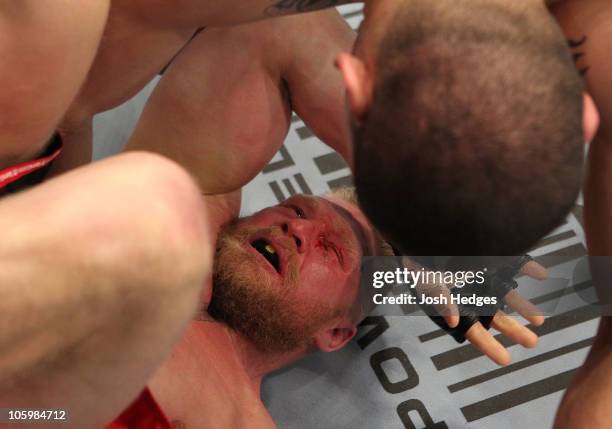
<point>348,194</point>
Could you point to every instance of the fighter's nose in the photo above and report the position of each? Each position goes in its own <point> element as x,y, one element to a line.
<point>299,230</point>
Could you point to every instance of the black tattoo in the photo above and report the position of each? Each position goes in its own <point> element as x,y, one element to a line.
<point>281,7</point>
<point>573,44</point>
<point>576,47</point>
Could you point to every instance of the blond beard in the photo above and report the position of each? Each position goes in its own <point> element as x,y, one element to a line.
<point>245,298</point>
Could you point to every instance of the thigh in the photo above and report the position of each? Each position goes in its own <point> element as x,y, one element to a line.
<point>102,268</point>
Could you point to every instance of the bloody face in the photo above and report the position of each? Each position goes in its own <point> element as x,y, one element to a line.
<point>289,270</point>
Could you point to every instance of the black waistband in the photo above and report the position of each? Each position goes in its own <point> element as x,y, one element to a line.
<point>36,176</point>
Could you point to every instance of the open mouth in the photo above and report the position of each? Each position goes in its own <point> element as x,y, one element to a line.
<point>267,250</point>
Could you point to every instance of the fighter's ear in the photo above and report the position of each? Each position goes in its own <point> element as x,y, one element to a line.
<point>590,118</point>
<point>359,84</point>
<point>335,337</point>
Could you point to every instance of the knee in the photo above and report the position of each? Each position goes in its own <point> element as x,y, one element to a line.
<point>170,212</point>
<point>155,229</point>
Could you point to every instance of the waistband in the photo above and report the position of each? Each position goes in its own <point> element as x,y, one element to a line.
<point>26,174</point>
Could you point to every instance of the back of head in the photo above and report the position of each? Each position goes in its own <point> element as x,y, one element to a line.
<point>473,142</point>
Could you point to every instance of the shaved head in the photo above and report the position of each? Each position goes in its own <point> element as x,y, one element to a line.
<point>473,144</point>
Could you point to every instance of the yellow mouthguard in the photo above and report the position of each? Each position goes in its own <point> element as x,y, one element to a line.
<point>270,249</point>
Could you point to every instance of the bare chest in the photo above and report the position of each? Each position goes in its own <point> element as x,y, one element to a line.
<point>215,402</point>
<point>208,391</point>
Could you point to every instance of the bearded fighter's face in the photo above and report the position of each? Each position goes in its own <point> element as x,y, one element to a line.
<point>289,270</point>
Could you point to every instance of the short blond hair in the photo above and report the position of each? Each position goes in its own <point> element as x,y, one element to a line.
<point>348,194</point>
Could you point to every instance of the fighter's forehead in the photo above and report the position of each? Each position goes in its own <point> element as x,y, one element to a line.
<point>315,206</point>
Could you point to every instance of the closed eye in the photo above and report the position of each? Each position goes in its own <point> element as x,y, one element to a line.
<point>298,211</point>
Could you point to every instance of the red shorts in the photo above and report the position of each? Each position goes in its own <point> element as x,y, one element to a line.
<point>144,413</point>
<point>18,177</point>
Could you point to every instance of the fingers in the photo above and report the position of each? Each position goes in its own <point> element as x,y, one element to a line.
<point>445,308</point>
<point>487,344</point>
<point>514,330</point>
<point>452,320</point>
<point>449,311</point>
<point>523,307</point>
<point>534,270</point>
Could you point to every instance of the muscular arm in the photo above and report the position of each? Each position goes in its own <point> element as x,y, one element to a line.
<point>315,85</point>
<point>221,110</point>
<point>47,47</point>
<point>589,25</point>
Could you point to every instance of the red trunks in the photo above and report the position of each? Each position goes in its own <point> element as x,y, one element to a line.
<point>144,413</point>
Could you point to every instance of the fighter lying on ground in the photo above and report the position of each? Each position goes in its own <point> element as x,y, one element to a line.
<point>116,239</point>
<point>38,194</point>
<point>295,287</point>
